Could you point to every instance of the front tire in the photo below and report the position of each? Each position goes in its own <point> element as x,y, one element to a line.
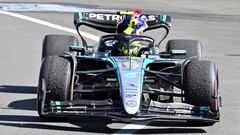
<point>54,82</point>
<point>201,87</point>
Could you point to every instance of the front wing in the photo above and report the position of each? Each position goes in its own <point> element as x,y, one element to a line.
<point>149,111</point>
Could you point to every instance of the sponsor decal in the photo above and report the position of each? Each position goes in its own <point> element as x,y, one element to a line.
<point>131,103</point>
<point>130,95</point>
<point>132,74</point>
<point>131,89</point>
<point>131,85</point>
<point>108,17</point>
<point>115,17</point>
<point>149,17</point>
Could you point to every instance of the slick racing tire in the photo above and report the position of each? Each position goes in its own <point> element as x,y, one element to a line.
<point>201,88</point>
<point>54,83</point>
<point>193,48</point>
<point>57,44</point>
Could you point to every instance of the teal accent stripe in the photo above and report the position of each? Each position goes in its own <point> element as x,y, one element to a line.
<point>146,62</point>
<point>80,14</point>
<point>179,51</point>
<point>57,102</point>
<point>111,60</point>
<point>115,65</point>
<point>58,106</point>
<point>164,18</point>
<point>59,109</point>
<point>77,46</point>
<point>202,108</point>
<point>144,66</point>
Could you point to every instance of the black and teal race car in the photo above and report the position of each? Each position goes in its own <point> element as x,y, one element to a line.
<point>79,80</point>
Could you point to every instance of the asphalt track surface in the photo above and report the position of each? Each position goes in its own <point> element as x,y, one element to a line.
<point>215,23</point>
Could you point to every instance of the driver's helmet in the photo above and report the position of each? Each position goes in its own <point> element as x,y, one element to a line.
<point>133,50</point>
<point>133,24</point>
<point>121,47</point>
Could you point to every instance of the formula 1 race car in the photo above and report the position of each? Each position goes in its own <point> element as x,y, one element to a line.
<point>126,76</point>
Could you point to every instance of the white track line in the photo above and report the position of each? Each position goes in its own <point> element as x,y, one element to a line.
<point>48,24</point>
<point>125,130</point>
<point>130,129</point>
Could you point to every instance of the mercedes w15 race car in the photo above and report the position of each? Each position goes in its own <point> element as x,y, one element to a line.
<point>126,76</point>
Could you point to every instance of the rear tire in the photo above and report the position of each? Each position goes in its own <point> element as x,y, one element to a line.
<point>193,48</point>
<point>54,82</point>
<point>201,87</point>
<point>57,44</point>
